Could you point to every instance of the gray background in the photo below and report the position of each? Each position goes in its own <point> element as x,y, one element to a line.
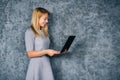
<point>95,53</point>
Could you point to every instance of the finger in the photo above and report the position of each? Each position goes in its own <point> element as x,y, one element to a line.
<point>58,52</point>
<point>65,51</point>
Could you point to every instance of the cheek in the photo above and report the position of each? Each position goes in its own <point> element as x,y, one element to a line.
<point>41,23</point>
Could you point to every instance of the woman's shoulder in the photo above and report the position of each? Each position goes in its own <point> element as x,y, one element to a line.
<point>29,31</point>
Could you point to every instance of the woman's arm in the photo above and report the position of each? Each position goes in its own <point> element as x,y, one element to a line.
<point>49,52</point>
<point>32,54</point>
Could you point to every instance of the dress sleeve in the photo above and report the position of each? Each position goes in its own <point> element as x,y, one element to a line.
<point>29,40</point>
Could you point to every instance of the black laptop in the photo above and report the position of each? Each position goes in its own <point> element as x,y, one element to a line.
<point>68,43</point>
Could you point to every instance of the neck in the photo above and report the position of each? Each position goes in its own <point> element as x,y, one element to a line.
<point>39,28</point>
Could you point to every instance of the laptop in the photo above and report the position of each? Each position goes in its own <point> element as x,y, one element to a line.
<point>68,43</point>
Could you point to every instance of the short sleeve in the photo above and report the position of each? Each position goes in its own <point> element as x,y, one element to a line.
<point>29,40</point>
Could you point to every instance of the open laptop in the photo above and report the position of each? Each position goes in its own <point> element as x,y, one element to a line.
<point>68,43</point>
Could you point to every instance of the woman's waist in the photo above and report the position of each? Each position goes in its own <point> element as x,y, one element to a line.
<point>44,57</point>
<point>40,48</point>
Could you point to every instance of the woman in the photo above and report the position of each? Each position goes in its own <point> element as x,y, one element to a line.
<point>37,47</point>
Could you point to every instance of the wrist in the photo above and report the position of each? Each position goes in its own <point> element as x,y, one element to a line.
<point>45,52</point>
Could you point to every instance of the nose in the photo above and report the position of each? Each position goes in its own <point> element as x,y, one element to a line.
<point>47,21</point>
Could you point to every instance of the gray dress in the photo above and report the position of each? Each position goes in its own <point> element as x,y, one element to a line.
<point>39,68</point>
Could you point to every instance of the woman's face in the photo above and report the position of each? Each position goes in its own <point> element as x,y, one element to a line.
<point>43,20</point>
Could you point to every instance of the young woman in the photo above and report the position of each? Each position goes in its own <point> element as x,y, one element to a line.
<point>37,47</point>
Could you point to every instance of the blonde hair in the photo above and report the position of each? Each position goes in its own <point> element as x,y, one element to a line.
<point>37,13</point>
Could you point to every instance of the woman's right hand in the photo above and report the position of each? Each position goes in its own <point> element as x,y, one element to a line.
<point>52,52</point>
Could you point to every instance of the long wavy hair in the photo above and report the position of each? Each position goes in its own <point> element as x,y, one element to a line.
<point>37,13</point>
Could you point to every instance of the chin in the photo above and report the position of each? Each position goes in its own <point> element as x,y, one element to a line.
<point>42,26</point>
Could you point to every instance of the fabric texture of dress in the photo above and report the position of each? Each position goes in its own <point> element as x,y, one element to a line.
<point>39,68</point>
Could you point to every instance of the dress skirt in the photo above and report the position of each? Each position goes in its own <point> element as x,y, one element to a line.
<point>39,69</point>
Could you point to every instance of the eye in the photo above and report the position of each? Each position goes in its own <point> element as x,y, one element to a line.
<point>45,18</point>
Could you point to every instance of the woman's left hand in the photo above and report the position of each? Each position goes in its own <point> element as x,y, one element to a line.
<point>64,51</point>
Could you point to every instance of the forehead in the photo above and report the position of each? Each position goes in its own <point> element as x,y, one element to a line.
<point>45,15</point>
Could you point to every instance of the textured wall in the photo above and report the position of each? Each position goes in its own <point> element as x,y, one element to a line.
<point>95,53</point>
